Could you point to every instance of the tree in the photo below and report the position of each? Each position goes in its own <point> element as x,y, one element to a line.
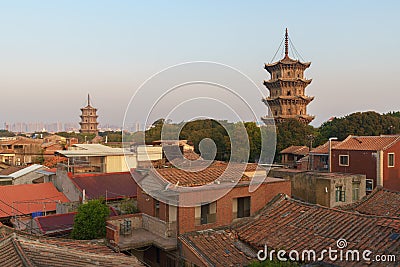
<point>90,221</point>
<point>128,206</point>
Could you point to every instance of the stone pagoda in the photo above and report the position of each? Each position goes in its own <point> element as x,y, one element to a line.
<point>287,99</point>
<point>89,119</point>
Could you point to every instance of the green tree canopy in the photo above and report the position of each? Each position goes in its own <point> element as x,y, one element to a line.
<point>90,221</point>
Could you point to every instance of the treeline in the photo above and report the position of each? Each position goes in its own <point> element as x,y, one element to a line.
<point>291,132</point>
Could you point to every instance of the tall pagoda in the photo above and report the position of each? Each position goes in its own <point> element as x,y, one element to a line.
<point>287,99</point>
<point>89,119</point>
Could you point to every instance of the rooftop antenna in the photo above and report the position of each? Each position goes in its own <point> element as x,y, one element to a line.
<point>286,44</point>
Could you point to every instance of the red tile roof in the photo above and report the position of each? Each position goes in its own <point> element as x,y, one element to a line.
<point>29,198</point>
<point>289,224</point>
<point>370,143</point>
<point>118,185</point>
<point>296,150</point>
<point>18,249</point>
<point>219,247</point>
<point>56,223</point>
<point>324,149</point>
<point>207,175</point>
<point>10,170</point>
<point>381,202</point>
<point>294,225</point>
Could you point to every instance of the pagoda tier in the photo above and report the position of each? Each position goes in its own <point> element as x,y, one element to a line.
<point>287,98</point>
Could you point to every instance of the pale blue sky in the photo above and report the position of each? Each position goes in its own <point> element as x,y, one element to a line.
<point>53,52</point>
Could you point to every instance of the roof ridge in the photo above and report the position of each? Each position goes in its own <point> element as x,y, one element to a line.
<point>192,246</point>
<point>20,251</point>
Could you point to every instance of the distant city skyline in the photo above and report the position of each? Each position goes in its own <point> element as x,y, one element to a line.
<point>55,52</point>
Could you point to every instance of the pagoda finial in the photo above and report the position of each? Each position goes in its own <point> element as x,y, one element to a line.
<point>286,43</point>
<point>88,99</point>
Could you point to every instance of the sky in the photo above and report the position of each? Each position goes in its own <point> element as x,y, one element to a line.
<point>52,53</point>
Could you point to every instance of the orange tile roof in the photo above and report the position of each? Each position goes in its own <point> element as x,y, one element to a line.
<point>324,148</point>
<point>290,224</point>
<point>370,143</point>
<point>208,175</point>
<point>381,202</point>
<point>218,247</point>
<point>296,150</point>
<point>29,198</point>
<point>19,249</point>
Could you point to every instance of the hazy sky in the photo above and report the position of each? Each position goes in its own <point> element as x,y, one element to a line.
<point>52,53</point>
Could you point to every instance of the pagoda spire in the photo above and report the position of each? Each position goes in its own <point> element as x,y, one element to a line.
<point>286,44</point>
<point>88,99</point>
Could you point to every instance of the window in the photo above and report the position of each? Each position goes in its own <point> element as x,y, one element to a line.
<point>343,160</point>
<point>369,185</point>
<point>157,209</point>
<point>391,160</point>
<point>241,207</point>
<point>206,213</point>
<point>340,194</point>
<point>356,191</point>
<point>289,93</point>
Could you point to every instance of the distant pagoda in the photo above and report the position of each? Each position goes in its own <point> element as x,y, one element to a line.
<point>287,99</point>
<point>89,119</point>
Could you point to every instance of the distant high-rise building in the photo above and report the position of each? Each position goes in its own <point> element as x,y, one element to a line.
<point>287,99</point>
<point>89,122</point>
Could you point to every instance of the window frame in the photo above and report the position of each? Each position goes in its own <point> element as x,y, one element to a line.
<point>393,159</point>
<point>348,160</point>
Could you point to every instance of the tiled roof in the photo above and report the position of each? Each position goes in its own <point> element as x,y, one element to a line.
<point>324,148</point>
<point>10,170</point>
<point>207,175</point>
<point>17,249</point>
<point>28,198</point>
<point>381,202</point>
<point>56,222</point>
<point>370,143</point>
<point>219,247</point>
<point>294,225</point>
<point>296,150</point>
<point>118,185</point>
<point>290,224</point>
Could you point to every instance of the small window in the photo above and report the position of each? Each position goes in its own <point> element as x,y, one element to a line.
<point>157,209</point>
<point>369,183</point>
<point>208,213</point>
<point>343,160</point>
<point>241,207</point>
<point>356,191</point>
<point>289,93</point>
<point>340,194</point>
<point>276,113</point>
<point>391,160</point>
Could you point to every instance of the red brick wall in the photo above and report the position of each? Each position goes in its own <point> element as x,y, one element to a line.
<point>360,162</point>
<point>259,198</point>
<point>391,176</point>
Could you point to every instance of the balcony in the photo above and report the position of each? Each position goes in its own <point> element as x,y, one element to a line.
<point>139,230</point>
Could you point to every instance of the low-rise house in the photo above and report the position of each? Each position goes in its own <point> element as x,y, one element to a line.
<point>378,157</point>
<point>84,158</point>
<point>291,225</point>
<point>20,249</point>
<point>20,151</point>
<point>318,157</point>
<point>173,217</point>
<point>292,154</point>
<point>323,188</point>
<point>109,186</point>
<point>27,175</point>
<point>19,202</point>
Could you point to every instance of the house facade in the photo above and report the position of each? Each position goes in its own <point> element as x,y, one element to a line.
<point>378,157</point>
